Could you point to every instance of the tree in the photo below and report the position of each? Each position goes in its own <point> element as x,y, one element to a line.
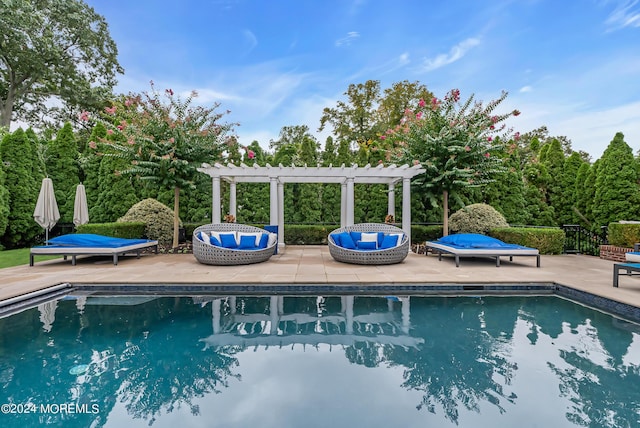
<point>552,157</point>
<point>62,166</point>
<point>16,155</point>
<point>4,199</point>
<point>165,142</point>
<point>115,193</point>
<point>617,194</point>
<point>456,142</point>
<point>570,170</point>
<point>53,49</point>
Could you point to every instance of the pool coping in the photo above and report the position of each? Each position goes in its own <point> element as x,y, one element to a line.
<point>615,308</point>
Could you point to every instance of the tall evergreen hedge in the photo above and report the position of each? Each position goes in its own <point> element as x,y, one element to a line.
<point>62,167</point>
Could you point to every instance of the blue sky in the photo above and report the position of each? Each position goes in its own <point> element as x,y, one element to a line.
<point>571,65</point>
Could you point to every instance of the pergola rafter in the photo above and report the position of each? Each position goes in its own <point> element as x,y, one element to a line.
<point>346,176</point>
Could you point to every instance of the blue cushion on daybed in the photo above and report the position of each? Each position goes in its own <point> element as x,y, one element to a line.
<point>472,240</point>
<point>264,240</point>
<point>389,241</point>
<point>346,241</point>
<point>367,245</point>
<point>247,242</point>
<point>228,240</point>
<point>355,236</point>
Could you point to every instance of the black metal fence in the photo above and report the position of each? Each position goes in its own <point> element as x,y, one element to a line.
<point>579,240</point>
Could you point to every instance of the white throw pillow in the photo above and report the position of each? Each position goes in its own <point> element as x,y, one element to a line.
<point>272,239</point>
<point>370,237</point>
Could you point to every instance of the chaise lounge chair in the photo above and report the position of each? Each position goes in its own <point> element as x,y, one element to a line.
<point>381,253</point>
<point>476,245</point>
<point>87,244</point>
<point>245,251</point>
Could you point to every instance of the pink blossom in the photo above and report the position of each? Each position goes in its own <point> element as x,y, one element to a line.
<point>416,162</point>
<point>169,92</point>
<point>251,154</point>
<point>516,136</point>
<point>467,148</point>
<point>489,138</point>
<point>494,119</point>
<point>435,102</point>
<point>110,110</point>
<point>486,155</point>
<point>84,116</point>
<point>419,115</point>
<point>379,161</point>
<point>93,145</point>
<point>172,140</point>
<point>492,127</point>
<point>516,112</point>
<point>383,137</point>
<point>128,102</point>
<point>120,127</point>
<point>455,94</point>
<point>109,131</point>
<point>421,103</point>
<point>131,141</point>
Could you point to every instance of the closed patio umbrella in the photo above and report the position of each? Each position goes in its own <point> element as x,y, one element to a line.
<point>80,208</point>
<point>46,213</point>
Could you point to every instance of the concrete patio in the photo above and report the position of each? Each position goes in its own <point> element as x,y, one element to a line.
<point>314,265</point>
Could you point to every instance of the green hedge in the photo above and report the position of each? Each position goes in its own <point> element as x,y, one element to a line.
<point>420,233</point>
<point>118,230</point>
<point>546,240</point>
<point>623,234</point>
<point>296,234</point>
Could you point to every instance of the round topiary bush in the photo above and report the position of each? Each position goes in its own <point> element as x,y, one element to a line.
<point>476,218</point>
<point>157,217</point>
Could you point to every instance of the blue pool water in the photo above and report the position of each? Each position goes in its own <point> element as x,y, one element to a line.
<point>309,361</point>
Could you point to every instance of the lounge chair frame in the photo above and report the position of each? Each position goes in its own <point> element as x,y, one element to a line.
<point>385,256</point>
<point>494,253</point>
<point>214,255</point>
<point>73,252</point>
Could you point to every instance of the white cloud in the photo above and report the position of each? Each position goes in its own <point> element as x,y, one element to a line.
<point>250,39</point>
<point>526,89</point>
<point>626,14</point>
<point>348,39</point>
<point>456,52</point>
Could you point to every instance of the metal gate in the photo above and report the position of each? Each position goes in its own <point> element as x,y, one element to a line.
<point>579,240</point>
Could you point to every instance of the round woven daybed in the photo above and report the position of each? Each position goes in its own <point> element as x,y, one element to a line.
<point>214,255</point>
<point>386,256</point>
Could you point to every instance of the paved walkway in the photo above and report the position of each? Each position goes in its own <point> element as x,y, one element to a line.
<point>314,265</point>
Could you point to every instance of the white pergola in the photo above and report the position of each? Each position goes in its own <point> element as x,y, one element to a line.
<point>346,176</point>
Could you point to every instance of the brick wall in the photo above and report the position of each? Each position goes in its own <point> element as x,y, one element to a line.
<point>613,253</point>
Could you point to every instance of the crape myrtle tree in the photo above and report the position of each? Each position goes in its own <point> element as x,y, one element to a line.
<point>456,142</point>
<point>165,139</point>
<point>22,187</point>
<point>53,49</point>
<point>617,193</point>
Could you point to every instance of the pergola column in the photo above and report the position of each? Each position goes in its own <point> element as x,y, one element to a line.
<point>350,206</point>
<point>232,199</point>
<point>273,200</point>
<point>406,207</point>
<point>391,210</point>
<point>343,204</point>
<point>215,210</point>
<point>280,216</point>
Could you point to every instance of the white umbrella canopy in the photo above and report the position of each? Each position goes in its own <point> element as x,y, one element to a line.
<point>80,208</point>
<point>46,213</point>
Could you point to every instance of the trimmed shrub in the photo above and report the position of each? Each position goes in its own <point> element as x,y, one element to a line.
<point>297,234</point>
<point>157,217</point>
<point>546,240</point>
<point>420,233</point>
<point>476,218</point>
<point>623,234</point>
<point>129,230</point>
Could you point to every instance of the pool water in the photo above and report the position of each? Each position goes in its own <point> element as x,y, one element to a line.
<point>312,361</point>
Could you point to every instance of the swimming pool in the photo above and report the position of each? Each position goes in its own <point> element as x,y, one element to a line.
<point>316,361</point>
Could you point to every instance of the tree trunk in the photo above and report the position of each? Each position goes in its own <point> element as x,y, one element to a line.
<point>176,218</point>
<point>445,213</point>
<point>6,111</point>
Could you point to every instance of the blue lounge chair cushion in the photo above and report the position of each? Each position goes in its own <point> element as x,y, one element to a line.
<point>473,240</point>
<point>215,241</point>
<point>355,236</point>
<point>228,240</point>
<point>92,240</point>
<point>336,239</point>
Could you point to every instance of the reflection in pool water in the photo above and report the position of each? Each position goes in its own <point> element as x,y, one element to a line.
<point>347,361</point>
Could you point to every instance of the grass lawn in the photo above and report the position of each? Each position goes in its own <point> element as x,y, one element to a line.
<point>9,258</point>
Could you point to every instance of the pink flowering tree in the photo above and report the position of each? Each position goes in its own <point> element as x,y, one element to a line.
<point>164,139</point>
<point>455,141</point>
